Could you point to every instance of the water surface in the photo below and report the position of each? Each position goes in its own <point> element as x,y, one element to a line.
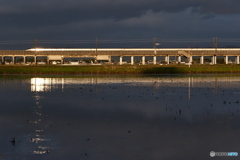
<point>119,117</point>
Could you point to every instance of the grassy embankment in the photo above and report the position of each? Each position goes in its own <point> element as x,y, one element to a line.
<point>125,69</point>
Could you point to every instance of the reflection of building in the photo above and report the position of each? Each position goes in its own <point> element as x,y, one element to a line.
<point>45,84</point>
<point>50,84</point>
<point>38,138</point>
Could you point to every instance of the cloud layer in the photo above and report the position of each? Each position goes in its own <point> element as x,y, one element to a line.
<point>88,19</point>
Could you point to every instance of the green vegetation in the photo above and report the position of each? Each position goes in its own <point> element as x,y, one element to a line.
<point>124,69</point>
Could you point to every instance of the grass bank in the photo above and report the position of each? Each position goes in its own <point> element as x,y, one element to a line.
<point>125,69</point>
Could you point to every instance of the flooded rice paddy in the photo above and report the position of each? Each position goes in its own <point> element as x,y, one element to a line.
<point>119,117</point>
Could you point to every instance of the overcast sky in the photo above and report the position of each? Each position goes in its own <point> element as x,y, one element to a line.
<point>122,19</point>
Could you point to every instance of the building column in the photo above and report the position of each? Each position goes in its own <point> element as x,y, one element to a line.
<point>35,60</point>
<point>237,59</point>
<point>13,60</point>
<point>215,59</point>
<point>62,59</point>
<point>190,59</point>
<point>154,60</point>
<point>226,60</point>
<point>120,60</point>
<point>110,59</point>
<point>202,60</point>
<point>2,60</point>
<point>24,59</point>
<point>48,62</point>
<point>179,59</point>
<point>167,59</point>
<point>143,60</point>
<point>132,60</point>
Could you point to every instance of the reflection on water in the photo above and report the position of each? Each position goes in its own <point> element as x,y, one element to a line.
<point>119,117</point>
<point>51,84</point>
<point>46,84</point>
<point>38,135</point>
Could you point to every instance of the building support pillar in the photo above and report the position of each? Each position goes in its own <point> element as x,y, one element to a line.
<point>179,59</point>
<point>167,59</point>
<point>13,60</point>
<point>35,60</point>
<point>226,59</point>
<point>202,60</point>
<point>120,60</point>
<point>215,59</point>
<point>62,59</point>
<point>143,60</point>
<point>190,60</point>
<point>132,60</point>
<point>237,59</point>
<point>154,60</point>
<point>48,62</point>
<point>109,59</point>
<point>24,59</point>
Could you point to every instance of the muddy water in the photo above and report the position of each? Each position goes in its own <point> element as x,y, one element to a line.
<point>119,117</point>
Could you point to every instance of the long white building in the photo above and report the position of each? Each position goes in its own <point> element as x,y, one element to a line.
<point>59,54</point>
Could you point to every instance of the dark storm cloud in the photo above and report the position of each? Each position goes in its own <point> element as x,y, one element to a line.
<point>51,12</point>
<point>71,19</point>
<point>67,9</point>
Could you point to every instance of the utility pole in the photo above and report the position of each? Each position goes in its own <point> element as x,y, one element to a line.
<point>35,43</point>
<point>96,44</point>
<point>215,43</point>
<point>155,50</point>
<point>189,58</point>
<point>154,43</point>
<point>35,46</point>
<point>96,41</point>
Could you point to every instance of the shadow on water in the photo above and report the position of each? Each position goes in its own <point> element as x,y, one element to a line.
<point>165,70</point>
